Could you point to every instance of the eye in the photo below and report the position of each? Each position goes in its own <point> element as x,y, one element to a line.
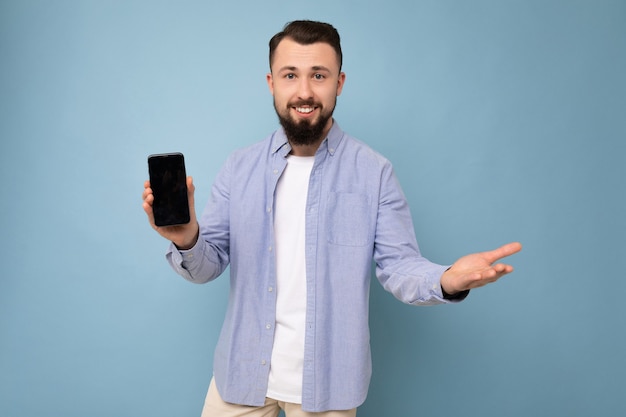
<point>319,76</point>
<point>290,76</point>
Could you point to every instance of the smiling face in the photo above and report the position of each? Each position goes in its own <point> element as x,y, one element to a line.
<point>305,81</point>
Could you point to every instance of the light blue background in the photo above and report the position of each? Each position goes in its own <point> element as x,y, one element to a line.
<point>505,120</point>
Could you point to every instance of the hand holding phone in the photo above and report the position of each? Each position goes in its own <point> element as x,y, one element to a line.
<point>168,180</point>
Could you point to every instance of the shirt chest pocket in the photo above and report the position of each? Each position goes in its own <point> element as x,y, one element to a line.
<point>348,219</point>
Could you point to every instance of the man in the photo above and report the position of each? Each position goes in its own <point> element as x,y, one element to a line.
<point>299,218</point>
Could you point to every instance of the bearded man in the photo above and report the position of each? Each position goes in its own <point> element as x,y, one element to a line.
<point>299,218</point>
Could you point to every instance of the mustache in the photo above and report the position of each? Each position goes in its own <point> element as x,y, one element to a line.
<point>301,103</point>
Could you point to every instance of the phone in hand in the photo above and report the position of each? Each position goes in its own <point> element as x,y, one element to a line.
<point>168,181</point>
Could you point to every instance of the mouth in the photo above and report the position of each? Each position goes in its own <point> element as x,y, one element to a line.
<point>305,109</point>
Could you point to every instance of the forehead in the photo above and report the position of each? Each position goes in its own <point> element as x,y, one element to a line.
<point>289,53</point>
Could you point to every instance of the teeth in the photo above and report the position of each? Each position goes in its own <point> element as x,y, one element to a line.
<point>304,109</point>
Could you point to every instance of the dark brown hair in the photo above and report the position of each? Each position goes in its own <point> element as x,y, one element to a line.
<point>307,32</point>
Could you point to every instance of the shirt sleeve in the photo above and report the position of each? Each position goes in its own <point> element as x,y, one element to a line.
<point>209,257</point>
<point>400,266</point>
<point>194,264</point>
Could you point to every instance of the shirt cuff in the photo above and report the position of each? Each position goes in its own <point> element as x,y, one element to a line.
<point>459,296</point>
<point>185,261</point>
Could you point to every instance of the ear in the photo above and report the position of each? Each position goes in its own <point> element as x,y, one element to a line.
<point>270,82</point>
<point>340,81</point>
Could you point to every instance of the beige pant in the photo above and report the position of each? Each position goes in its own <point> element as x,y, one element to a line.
<point>214,406</point>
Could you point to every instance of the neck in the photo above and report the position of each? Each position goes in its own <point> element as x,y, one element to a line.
<point>305,150</point>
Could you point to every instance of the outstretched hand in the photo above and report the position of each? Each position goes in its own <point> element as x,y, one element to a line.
<point>478,269</point>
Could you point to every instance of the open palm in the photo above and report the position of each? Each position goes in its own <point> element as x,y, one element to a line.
<point>478,269</point>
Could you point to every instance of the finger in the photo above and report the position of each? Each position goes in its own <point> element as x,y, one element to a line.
<point>495,273</point>
<point>147,207</point>
<point>481,279</point>
<point>503,268</point>
<point>191,196</point>
<point>487,277</point>
<point>146,193</point>
<point>502,252</point>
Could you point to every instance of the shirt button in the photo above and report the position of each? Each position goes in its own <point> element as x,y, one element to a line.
<point>269,249</point>
<point>270,289</point>
<point>268,326</point>
<point>263,362</point>
<point>275,171</point>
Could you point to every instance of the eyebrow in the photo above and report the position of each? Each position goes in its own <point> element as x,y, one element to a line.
<point>314,68</point>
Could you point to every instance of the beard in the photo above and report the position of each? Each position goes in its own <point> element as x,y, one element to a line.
<point>304,132</point>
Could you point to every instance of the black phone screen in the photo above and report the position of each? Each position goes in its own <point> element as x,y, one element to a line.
<point>168,181</point>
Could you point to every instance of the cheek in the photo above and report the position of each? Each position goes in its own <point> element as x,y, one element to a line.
<point>281,93</point>
<point>329,96</point>
<point>280,100</point>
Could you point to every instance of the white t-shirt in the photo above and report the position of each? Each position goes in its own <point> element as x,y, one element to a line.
<point>285,379</point>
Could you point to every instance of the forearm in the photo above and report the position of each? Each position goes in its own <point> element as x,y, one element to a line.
<point>415,282</point>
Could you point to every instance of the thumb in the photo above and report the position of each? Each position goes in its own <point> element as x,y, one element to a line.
<point>191,189</point>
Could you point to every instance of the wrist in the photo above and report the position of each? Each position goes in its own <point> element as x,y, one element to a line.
<point>187,244</point>
<point>448,291</point>
<point>446,288</point>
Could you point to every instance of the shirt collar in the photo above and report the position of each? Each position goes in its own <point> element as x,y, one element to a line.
<point>330,143</point>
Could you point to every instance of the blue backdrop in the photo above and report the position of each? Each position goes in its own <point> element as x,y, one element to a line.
<point>505,120</point>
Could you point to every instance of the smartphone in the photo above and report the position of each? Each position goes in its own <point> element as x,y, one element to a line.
<point>168,181</point>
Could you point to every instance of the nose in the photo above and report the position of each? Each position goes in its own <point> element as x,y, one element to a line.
<point>304,89</point>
